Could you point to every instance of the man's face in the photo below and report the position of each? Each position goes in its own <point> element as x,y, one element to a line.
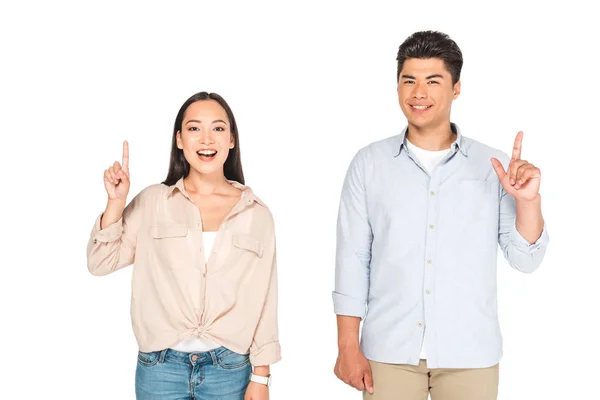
<point>426,92</point>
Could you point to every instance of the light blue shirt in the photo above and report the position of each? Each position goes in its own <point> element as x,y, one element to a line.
<point>416,251</point>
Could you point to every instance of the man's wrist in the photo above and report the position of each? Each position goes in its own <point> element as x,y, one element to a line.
<point>527,203</point>
<point>351,345</point>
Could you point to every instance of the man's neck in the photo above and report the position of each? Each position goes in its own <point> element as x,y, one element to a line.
<point>433,139</point>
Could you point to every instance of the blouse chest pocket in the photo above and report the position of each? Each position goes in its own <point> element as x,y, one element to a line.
<point>171,244</point>
<point>169,231</point>
<point>248,245</point>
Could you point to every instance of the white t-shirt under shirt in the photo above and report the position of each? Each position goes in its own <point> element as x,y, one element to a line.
<point>197,345</point>
<point>429,159</point>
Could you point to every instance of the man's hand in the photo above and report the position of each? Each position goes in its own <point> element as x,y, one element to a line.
<point>522,180</point>
<point>353,368</point>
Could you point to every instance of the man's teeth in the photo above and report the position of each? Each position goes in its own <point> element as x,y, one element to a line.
<point>207,152</point>
<point>421,107</point>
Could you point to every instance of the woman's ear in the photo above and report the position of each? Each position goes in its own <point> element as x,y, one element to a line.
<point>179,141</point>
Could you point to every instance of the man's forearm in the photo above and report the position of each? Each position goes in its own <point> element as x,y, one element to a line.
<point>530,222</point>
<point>348,328</point>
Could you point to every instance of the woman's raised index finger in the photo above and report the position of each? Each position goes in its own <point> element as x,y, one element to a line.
<point>125,155</point>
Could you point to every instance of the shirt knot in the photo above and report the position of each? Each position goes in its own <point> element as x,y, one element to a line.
<point>197,332</point>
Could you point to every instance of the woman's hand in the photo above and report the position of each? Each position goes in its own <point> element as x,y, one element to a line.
<point>116,178</point>
<point>257,391</point>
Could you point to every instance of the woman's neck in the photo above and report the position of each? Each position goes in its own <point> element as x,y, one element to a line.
<point>204,184</point>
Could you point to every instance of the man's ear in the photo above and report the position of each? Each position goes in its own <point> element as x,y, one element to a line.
<point>456,89</point>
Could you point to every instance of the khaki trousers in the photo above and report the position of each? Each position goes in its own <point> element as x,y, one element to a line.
<point>409,382</point>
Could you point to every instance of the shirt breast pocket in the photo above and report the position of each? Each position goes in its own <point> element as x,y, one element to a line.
<point>471,198</point>
<point>248,246</point>
<point>171,244</point>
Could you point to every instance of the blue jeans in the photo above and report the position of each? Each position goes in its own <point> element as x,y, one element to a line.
<point>173,375</point>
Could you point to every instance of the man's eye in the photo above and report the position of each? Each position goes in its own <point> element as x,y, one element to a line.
<point>433,82</point>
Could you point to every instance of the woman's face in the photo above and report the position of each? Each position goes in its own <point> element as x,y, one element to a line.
<point>205,137</point>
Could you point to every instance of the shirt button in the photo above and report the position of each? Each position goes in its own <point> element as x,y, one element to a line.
<point>429,262</point>
<point>420,324</point>
<point>428,291</point>
<point>431,227</point>
<point>432,193</point>
<point>95,241</point>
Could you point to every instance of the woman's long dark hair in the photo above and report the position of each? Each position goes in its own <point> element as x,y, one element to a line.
<point>180,168</point>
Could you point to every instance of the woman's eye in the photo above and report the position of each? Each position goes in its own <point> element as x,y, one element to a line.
<point>193,128</point>
<point>219,129</point>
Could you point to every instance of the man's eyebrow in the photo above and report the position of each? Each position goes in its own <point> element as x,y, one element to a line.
<point>429,77</point>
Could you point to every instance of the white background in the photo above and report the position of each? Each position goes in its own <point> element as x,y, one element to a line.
<point>310,84</point>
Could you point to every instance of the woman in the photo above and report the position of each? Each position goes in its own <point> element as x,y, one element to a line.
<point>204,301</point>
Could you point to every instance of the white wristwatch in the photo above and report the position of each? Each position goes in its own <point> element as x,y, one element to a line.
<point>263,380</point>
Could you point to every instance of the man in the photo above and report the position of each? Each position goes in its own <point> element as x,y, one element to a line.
<point>420,218</point>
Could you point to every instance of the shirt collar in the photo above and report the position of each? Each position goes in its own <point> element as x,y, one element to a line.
<point>247,193</point>
<point>458,143</point>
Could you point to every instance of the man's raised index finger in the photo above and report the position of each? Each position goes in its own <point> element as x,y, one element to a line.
<point>516,153</point>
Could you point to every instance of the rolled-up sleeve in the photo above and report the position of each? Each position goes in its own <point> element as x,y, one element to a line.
<point>520,254</point>
<point>265,348</point>
<point>354,238</point>
<point>113,247</point>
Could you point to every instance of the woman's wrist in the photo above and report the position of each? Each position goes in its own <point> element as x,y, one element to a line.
<point>262,370</point>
